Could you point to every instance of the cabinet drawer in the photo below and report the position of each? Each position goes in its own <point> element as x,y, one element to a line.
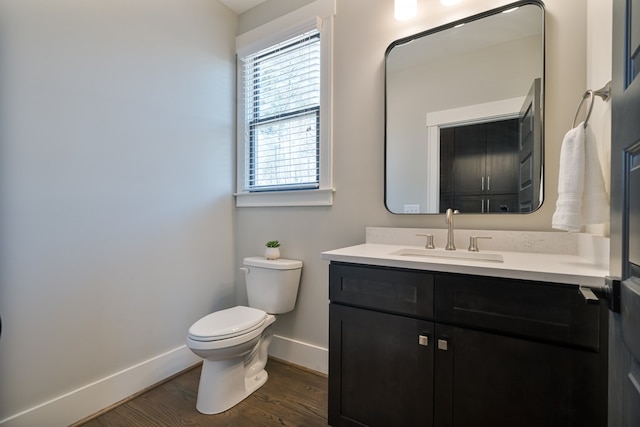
<point>408,292</point>
<point>543,311</point>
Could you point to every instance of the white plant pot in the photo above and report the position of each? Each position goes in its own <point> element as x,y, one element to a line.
<point>272,253</point>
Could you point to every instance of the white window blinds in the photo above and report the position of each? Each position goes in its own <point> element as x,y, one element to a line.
<point>282,115</point>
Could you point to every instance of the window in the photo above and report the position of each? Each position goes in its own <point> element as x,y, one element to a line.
<point>282,115</point>
<point>284,119</point>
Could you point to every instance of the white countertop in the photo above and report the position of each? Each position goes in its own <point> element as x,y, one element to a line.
<point>545,267</point>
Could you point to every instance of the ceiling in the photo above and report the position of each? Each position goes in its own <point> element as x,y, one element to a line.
<point>239,6</point>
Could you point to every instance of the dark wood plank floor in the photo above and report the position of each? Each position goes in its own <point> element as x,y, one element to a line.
<point>291,397</point>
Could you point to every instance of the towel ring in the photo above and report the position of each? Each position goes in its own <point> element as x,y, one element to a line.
<point>587,95</point>
<point>604,93</point>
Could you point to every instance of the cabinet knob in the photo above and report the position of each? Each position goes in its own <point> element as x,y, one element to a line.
<point>423,340</point>
<point>443,345</point>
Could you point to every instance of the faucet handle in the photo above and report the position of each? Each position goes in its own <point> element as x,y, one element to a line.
<point>473,243</point>
<point>429,244</point>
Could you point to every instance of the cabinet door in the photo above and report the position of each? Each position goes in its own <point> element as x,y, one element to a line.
<point>502,203</point>
<point>490,380</point>
<point>469,204</point>
<point>380,371</point>
<point>470,154</point>
<point>447,159</point>
<point>502,157</point>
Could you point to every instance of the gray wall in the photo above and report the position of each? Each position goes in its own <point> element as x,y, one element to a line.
<point>116,174</point>
<point>363,30</point>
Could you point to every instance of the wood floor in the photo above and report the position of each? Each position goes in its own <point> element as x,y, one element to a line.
<point>291,397</point>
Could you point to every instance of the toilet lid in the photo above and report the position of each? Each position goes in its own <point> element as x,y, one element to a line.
<point>274,264</point>
<point>227,323</point>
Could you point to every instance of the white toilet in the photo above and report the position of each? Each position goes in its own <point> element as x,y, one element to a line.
<point>234,341</point>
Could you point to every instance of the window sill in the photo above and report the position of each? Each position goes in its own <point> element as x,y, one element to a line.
<point>320,197</point>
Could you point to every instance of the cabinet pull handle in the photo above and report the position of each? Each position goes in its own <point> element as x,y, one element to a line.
<point>488,183</point>
<point>482,184</point>
<point>423,340</point>
<point>443,345</point>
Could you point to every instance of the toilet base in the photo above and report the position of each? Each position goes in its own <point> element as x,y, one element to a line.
<point>222,385</point>
<point>231,374</point>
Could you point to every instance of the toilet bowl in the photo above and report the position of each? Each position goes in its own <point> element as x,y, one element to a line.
<point>234,342</point>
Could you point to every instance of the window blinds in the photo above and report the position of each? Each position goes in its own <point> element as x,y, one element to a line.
<point>282,115</point>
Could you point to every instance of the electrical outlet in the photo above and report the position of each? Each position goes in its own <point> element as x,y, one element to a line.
<point>412,209</point>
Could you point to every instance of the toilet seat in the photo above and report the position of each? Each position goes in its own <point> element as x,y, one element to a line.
<point>228,323</point>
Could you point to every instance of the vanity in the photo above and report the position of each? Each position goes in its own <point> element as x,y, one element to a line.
<point>501,337</point>
<point>507,333</point>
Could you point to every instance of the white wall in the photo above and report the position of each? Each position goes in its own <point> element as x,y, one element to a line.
<point>267,11</point>
<point>599,51</point>
<point>363,30</point>
<point>116,174</point>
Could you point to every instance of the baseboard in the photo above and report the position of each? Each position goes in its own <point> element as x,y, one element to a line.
<point>300,353</point>
<point>91,398</point>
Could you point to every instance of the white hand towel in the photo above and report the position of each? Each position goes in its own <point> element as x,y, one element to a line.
<point>570,181</point>
<point>595,201</point>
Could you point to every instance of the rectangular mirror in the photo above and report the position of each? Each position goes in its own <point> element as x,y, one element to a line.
<point>464,106</point>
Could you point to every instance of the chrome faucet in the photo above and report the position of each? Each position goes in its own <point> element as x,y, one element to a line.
<point>449,220</point>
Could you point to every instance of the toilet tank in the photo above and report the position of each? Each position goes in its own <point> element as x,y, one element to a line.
<point>272,285</point>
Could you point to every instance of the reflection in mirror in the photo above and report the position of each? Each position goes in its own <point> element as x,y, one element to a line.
<point>464,111</point>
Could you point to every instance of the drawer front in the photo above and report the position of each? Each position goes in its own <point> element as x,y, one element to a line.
<point>392,290</point>
<point>544,311</point>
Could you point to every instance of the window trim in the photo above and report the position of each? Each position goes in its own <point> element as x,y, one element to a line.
<point>318,14</point>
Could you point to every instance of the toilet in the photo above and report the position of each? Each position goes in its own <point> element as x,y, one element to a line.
<point>234,342</point>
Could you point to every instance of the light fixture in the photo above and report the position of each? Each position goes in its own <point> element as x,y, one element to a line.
<point>405,9</point>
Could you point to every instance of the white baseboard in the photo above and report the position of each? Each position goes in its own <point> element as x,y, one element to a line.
<point>92,398</point>
<point>300,353</point>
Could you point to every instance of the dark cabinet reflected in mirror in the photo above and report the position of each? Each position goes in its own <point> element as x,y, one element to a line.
<point>478,167</point>
<point>464,126</point>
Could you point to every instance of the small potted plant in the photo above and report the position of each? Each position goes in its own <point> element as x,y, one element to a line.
<point>272,251</point>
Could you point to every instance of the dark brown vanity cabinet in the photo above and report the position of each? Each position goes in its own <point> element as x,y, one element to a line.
<point>415,348</point>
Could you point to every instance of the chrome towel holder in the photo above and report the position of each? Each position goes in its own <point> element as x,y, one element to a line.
<point>604,93</point>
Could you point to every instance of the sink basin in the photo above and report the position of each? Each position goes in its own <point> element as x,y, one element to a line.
<point>441,253</point>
